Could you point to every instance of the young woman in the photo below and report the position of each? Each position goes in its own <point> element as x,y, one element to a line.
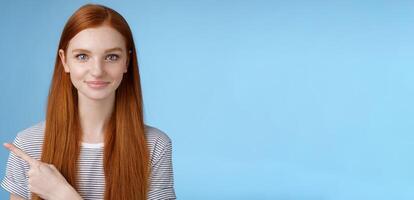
<point>94,143</point>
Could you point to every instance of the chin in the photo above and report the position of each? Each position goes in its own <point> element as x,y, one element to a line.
<point>97,95</point>
<point>97,98</point>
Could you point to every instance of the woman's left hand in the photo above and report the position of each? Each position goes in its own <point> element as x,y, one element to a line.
<point>44,179</point>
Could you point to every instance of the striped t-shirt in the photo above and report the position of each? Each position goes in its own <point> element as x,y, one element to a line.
<point>91,179</point>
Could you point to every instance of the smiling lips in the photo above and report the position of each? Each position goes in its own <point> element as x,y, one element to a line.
<point>97,84</point>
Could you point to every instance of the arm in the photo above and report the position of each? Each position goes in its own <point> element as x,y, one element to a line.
<point>71,194</point>
<point>45,179</point>
<point>68,193</point>
<point>15,197</point>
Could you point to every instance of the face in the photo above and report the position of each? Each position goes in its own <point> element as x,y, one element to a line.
<point>96,60</point>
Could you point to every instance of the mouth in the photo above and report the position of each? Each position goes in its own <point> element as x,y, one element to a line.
<point>97,84</point>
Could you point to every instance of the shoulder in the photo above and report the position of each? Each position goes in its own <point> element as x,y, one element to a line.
<point>156,136</point>
<point>33,132</point>
<point>30,140</point>
<point>158,142</point>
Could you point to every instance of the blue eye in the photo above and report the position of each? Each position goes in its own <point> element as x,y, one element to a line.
<point>112,57</point>
<point>81,57</point>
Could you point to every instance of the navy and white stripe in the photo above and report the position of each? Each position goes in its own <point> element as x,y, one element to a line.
<point>91,178</point>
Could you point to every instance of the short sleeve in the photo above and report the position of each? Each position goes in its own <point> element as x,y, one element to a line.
<point>15,180</point>
<point>162,179</point>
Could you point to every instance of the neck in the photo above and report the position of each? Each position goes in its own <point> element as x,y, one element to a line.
<point>93,115</point>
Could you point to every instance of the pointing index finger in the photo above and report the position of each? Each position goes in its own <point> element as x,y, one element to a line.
<point>21,154</point>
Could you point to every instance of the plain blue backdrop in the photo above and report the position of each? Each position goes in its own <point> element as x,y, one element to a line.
<point>262,99</point>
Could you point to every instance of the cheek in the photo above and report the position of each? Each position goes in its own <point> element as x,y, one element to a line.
<point>115,72</point>
<point>77,73</point>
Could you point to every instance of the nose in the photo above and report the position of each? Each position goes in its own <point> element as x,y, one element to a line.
<point>96,69</point>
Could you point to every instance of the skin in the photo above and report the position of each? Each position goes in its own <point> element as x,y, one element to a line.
<point>94,54</point>
<point>44,179</point>
<point>97,63</point>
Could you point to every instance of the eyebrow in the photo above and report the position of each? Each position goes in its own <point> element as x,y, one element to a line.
<point>108,50</point>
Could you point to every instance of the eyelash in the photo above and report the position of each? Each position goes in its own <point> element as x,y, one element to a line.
<point>77,56</point>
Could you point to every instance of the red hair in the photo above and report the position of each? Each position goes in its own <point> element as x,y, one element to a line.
<point>126,157</point>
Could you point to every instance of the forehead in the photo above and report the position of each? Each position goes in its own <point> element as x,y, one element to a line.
<point>97,39</point>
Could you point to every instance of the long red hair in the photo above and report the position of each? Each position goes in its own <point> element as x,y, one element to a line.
<point>126,157</point>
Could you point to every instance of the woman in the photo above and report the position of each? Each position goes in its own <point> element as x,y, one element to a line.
<point>94,143</point>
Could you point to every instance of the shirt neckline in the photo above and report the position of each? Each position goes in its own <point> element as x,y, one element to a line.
<point>92,145</point>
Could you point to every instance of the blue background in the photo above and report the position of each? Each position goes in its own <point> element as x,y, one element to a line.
<point>262,99</point>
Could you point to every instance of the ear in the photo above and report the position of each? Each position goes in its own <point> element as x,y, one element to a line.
<point>63,60</point>
<point>127,62</point>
